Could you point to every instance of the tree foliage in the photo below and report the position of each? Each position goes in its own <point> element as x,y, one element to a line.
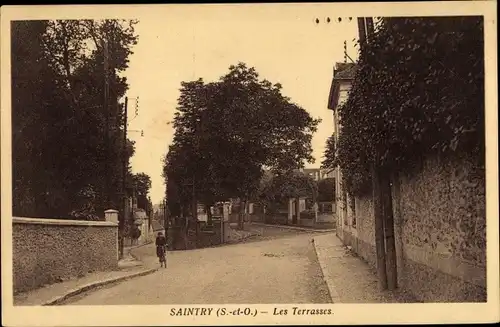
<point>329,157</point>
<point>291,184</point>
<point>58,117</point>
<point>418,91</point>
<point>326,190</point>
<point>227,131</point>
<point>142,186</point>
<point>132,230</point>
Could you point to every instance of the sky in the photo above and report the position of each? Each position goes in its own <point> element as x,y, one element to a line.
<point>183,44</point>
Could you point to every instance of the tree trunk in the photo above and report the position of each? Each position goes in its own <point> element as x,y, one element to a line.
<point>297,211</point>
<point>379,227</point>
<point>241,215</point>
<point>390,243</point>
<point>209,214</point>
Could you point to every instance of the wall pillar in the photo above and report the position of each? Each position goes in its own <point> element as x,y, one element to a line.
<point>111,215</point>
<point>297,209</point>
<point>290,210</point>
<point>224,224</point>
<point>225,212</point>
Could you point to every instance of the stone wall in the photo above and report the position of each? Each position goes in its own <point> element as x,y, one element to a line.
<point>325,218</point>
<point>440,230</point>
<point>364,242</point>
<point>440,225</point>
<point>51,250</point>
<point>211,237</point>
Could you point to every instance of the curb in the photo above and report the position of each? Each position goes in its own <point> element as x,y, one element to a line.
<point>90,286</point>
<point>296,228</point>
<point>334,296</point>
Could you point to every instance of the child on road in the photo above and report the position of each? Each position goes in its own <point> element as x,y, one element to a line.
<point>161,248</point>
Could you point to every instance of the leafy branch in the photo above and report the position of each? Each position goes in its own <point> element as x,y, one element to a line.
<point>418,92</point>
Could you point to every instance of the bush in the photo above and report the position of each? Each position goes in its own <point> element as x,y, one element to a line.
<point>84,215</point>
<point>135,233</point>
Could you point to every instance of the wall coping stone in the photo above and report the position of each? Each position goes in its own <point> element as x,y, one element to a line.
<point>62,222</point>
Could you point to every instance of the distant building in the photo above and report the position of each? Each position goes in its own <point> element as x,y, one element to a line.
<point>318,173</point>
<point>157,227</point>
<point>314,173</point>
<point>343,76</point>
<point>142,221</point>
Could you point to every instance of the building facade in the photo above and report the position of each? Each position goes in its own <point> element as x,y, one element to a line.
<point>343,76</point>
<point>439,220</point>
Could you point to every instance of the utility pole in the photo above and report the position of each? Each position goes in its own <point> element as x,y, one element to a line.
<point>195,207</point>
<point>390,242</point>
<point>123,216</point>
<point>365,34</point>
<point>382,198</point>
<point>165,216</point>
<point>379,225</point>
<point>106,134</point>
<point>345,51</point>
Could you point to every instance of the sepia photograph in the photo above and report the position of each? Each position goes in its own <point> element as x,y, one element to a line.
<point>226,162</point>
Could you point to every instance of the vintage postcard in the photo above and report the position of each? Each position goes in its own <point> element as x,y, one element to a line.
<point>249,164</point>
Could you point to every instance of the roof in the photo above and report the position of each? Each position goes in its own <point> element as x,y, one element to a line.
<point>344,70</point>
<point>156,225</point>
<point>140,214</point>
<point>341,72</point>
<point>311,170</point>
<point>328,170</point>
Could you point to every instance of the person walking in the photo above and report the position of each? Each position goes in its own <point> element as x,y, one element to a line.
<point>161,248</point>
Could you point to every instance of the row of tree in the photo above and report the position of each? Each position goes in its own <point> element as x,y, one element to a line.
<point>67,118</point>
<point>226,133</point>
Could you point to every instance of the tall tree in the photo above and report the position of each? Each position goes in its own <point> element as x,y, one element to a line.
<point>291,184</point>
<point>329,157</point>
<point>59,134</point>
<point>326,190</point>
<point>142,186</point>
<point>30,71</point>
<point>227,131</point>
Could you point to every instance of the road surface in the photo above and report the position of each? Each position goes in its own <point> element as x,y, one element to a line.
<point>279,266</point>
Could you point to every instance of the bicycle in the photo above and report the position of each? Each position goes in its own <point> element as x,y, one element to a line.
<point>162,255</point>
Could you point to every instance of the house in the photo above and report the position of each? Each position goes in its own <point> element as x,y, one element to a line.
<point>318,173</point>
<point>142,221</point>
<point>156,227</point>
<point>439,220</point>
<point>343,76</point>
<point>314,173</point>
<point>202,213</point>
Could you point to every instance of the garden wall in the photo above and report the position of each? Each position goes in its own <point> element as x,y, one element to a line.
<point>52,250</point>
<point>440,230</point>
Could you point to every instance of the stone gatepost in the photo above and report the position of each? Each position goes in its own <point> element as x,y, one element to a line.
<point>225,212</point>
<point>225,223</point>
<point>111,215</point>
<point>297,210</point>
<point>315,208</point>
